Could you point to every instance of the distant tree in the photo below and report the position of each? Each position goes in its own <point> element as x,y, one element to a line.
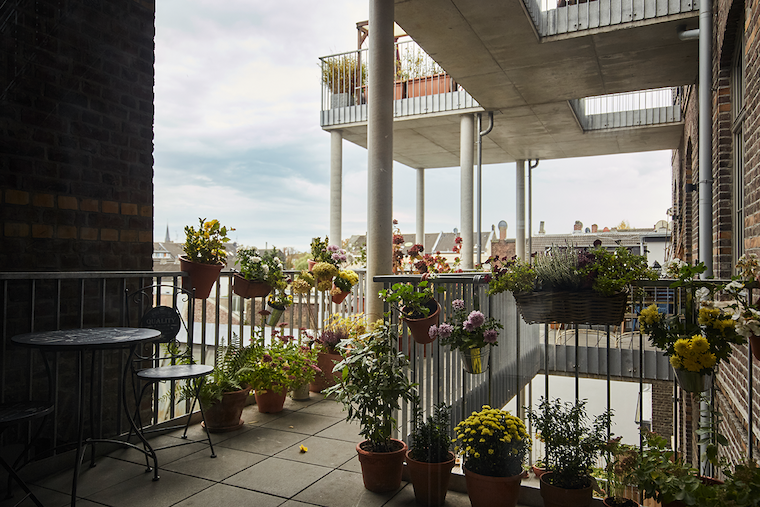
<point>623,225</point>
<point>301,261</point>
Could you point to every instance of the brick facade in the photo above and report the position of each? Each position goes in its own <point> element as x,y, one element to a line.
<point>76,137</point>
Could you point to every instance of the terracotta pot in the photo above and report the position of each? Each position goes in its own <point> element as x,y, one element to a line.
<point>381,471</point>
<point>609,502</point>
<point>487,491</point>
<point>755,345</point>
<point>430,480</point>
<point>326,361</point>
<point>249,289</point>
<point>420,327</point>
<point>225,415</point>
<point>301,393</point>
<point>538,471</point>
<point>201,277</point>
<point>338,298</point>
<point>561,497</point>
<point>270,401</point>
<point>311,263</point>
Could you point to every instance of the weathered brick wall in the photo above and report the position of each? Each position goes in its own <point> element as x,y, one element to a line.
<point>685,169</point>
<point>752,127</point>
<point>76,138</point>
<point>662,407</point>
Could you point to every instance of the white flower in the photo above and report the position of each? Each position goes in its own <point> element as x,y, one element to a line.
<point>265,268</point>
<point>702,294</point>
<point>734,287</point>
<point>256,258</point>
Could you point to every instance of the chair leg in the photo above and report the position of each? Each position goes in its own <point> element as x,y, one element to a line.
<point>203,416</point>
<point>12,473</point>
<point>138,418</point>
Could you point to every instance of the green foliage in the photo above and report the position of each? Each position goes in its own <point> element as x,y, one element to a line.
<point>374,381</point>
<point>342,74</point>
<point>618,473</point>
<point>740,489</point>
<point>430,439</point>
<point>573,441</point>
<point>283,363</point>
<point>264,266</point>
<point>614,271</point>
<point>206,244</point>
<point>413,301</point>
<point>514,276</point>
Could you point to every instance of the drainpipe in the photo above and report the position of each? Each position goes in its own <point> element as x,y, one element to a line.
<point>531,166</point>
<point>705,136</point>
<point>479,178</point>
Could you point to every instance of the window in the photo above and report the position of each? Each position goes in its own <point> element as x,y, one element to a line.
<point>737,129</point>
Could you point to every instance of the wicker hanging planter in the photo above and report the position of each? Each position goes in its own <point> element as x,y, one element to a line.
<point>582,307</point>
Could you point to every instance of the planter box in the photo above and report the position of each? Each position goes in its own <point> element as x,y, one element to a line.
<point>583,307</point>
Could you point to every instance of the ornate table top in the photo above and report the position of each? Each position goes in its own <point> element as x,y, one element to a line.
<point>90,338</point>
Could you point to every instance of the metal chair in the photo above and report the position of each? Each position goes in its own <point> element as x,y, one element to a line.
<point>12,414</point>
<point>169,321</point>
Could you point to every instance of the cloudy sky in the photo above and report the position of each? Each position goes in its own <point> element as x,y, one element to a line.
<point>237,137</point>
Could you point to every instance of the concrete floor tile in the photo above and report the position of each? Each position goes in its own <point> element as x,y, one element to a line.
<point>348,431</point>
<point>321,451</point>
<point>144,492</point>
<point>301,422</point>
<point>279,477</point>
<point>197,433</point>
<point>227,463</point>
<point>352,465</point>
<point>405,498</point>
<point>264,441</point>
<point>165,456</point>
<point>252,416</point>
<point>328,407</point>
<point>223,494</point>
<point>107,472</point>
<point>342,489</point>
<point>48,497</point>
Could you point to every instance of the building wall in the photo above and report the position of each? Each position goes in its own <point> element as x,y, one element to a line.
<point>76,136</point>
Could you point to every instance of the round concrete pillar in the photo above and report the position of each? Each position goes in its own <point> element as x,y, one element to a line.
<point>466,158</point>
<point>336,186</point>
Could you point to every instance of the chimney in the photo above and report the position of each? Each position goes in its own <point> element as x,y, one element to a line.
<point>502,230</point>
<point>594,228</point>
<point>578,227</point>
<point>541,227</point>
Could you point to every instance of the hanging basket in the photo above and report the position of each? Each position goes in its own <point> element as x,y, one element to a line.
<point>693,382</point>
<point>201,277</point>
<point>582,307</point>
<point>249,289</point>
<point>419,328</point>
<point>475,361</point>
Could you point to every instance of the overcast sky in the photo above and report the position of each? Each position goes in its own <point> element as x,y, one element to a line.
<point>237,138</point>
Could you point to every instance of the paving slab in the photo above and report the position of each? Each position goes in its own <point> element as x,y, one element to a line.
<point>301,422</point>
<point>279,477</point>
<point>164,456</point>
<point>342,430</point>
<point>144,492</point>
<point>321,451</point>
<point>227,463</point>
<point>223,494</point>
<point>342,489</point>
<point>106,472</point>
<point>265,441</point>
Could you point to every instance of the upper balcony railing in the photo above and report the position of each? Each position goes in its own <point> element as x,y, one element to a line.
<point>421,86</point>
<point>556,17</point>
<point>632,109</point>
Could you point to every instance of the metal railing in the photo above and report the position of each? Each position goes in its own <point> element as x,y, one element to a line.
<point>421,86</point>
<point>555,17</point>
<point>631,109</point>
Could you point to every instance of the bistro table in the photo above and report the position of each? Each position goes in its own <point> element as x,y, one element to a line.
<point>90,340</point>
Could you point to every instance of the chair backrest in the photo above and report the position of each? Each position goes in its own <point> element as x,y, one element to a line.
<point>165,319</point>
<point>161,317</point>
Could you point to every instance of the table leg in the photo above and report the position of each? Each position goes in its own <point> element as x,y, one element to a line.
<point>80,427</point>
<point>131,419</point>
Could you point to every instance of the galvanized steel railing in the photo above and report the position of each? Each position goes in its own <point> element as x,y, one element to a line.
<point>631,109</point>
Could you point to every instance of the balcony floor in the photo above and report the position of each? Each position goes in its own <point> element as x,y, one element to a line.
<point>260,464</point>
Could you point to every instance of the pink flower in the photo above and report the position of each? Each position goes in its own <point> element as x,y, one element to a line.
<point>445,330</point>
<point>476,318</point>
<point>468,326</point>
<point>266,358</point>
<point>458,304</point>
<point>490,335</point>
<point>433,332</point>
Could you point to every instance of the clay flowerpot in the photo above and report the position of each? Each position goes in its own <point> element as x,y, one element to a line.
<point>755,346</point>
<point>381,471</point>
<point>561,497</point>
<point>419,327</point>
<point>311,263</point>
<point>538,471</point>
<point>326,361</point>
<point>430,480</point>
<point>626,502</point>
<point>249,289</point>
<point>486,491</point>
<point>224,415</point>
<point>201,277</point>
<point>338,298</point>
<point>270,401</point>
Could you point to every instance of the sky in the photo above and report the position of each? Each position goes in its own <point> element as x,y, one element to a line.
<point>237,138</point>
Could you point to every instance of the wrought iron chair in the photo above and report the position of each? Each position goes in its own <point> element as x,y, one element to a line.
<point>169,321</point>
<point>12,414</point>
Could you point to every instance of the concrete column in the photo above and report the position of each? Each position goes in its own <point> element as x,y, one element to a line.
<point>336,186</point>
<point>420,236</point>
<point>466,157</point>
<point>380,152</point>
<point>520,231</point>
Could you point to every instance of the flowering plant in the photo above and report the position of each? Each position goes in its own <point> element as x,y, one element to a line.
<point>346,279</point>
<point>324,272</point>
<point>279,299</point>
<point>206,245</point>
<point>303,283</point>
<point>339,328</point>
<point>468,330</point>
<point>745,315</point>
<point>492,442</point>
<point>258,266</point>
<point>322,252</point>
<point>281,364</point>
<point>428,263</point>
<point>414,301</point>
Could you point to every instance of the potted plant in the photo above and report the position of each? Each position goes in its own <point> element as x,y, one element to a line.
<point>618,473</point>
<point>417,306</point>
<point>741,487</point>
<point>746,315</point>
<point>429,458</point>
<point>342,284</point>
<point>324,272</point>
<point>224,392</point>
<point>344,77</point>
<point>278,302</point>
<point>205,256</point>
<point>572,444</point>
<point>571,285</point>
<point>373,385</point>
<point>699,342</point>
<point>279,367</point>
<point>259,272</point>
<point>336,329</point>
<point>494,445</point>
<point>471,333</point>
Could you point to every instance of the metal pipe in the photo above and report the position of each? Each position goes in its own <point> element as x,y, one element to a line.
<point>531,166</point>
<point>520,198</point>
<point>705,137</point>
<point>479,180</point>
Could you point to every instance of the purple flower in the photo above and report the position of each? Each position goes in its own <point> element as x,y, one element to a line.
<point>266,358</point>
<point>490,335</point>
<point>458,304</point>
<point>476,318</point>
<point>333,248</point>
<point>468,326</point>
<point>336,256</point>
<point>445,330</point>
<point>433,332</point>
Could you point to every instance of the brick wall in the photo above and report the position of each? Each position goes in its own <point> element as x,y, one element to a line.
<point>76,117</point>
<point>662,407</point>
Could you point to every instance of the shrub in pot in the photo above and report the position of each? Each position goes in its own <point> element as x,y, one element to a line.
<point>205,256</point>
<point>373,385</point>
<point>573,443</point>
<point>417,306</point>
<point>618,473</point>
<point>336,329</point>
<point>429,459</point>
<point>494,445</point>
<point>260,272</point>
